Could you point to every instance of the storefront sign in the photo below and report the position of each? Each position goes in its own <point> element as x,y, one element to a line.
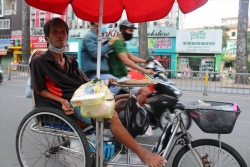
<point>38,42</point>
<point>72,47</point>
<point>3,51</point>
<point>4,43</point>
<point>78,33</point>
<point>199,41</point>
<point>159,43</point>
<point>158,32</point>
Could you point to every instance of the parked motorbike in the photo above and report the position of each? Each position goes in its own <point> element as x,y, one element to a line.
<point>163,102</point>
<point>1,75</point>
<point>214,77</point>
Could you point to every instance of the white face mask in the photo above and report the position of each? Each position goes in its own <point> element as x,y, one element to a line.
<point>57,50</point>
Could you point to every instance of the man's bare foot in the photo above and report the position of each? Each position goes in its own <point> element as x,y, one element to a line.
<point>152,160</point>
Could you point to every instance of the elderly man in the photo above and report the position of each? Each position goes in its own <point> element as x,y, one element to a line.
<point>56,76</point>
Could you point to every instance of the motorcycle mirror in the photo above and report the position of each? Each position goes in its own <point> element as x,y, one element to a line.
<point>150,58</point>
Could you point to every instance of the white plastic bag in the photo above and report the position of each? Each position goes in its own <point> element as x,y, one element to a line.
<point>90,93</point>
<point>102,110</point>
<point>28,90</point>
<point>95,100</point>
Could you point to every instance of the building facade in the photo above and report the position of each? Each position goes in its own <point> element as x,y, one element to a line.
<point>11,30</point>
<point>10,16</point>
<point>199,50</point>
<point>232,24</point>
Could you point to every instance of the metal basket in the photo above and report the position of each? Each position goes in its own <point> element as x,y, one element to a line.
<point>212,120</point>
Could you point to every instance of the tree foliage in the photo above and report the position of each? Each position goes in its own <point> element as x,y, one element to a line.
<point>248,41</point>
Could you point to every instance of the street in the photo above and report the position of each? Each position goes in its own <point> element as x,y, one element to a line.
<point>14,106</point>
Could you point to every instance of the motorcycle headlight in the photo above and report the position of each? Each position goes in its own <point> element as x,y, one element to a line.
<point>177,93</point>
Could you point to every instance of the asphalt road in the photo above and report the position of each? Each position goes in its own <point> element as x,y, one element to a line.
<point>13,107</point>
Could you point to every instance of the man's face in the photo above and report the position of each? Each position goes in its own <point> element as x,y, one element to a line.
<point>129,30</point>
<point>58,36</point>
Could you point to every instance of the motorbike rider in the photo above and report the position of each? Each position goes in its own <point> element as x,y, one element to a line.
<point>89,55</point>
<point>121,58</point>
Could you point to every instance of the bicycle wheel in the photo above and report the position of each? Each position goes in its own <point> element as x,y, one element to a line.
<point>48,137</point>
<point>209,151</point>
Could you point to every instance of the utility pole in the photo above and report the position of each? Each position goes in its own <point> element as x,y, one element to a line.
<point>25,32</point>
<point>241,51</point>
<point>143,40</point>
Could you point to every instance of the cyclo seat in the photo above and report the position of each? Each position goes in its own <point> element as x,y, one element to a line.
<point>44,102</point>
<point>39,101</point>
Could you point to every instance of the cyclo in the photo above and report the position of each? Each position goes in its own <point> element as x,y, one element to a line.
<point>48,137</point>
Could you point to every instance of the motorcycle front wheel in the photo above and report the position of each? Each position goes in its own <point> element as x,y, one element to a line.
<point>168,117</point>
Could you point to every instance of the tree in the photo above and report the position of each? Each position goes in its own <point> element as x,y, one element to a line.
<point>143,40</point>
<point>248,41</point>
<point>225,37</point>
<point>25,32</point>
<point>241,50</point>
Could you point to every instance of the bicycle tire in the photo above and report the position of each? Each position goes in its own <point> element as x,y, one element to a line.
<point>51,145</point>
<point>229,156</point>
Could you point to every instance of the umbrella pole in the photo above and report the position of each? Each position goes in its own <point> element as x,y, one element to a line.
<point>99,46</point>
<point>99,122</point>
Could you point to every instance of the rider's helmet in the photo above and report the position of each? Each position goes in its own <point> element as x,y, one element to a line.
<point>126,24</point>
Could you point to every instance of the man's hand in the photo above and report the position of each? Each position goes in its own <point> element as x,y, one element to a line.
<point>111,80</point>
<point>66,107</point>
<point>112,40</point>
<point>149,71</point>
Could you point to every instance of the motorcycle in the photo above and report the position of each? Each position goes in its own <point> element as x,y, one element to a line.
<point>1,75</point>
<point>214,77</point>
<point>163,102</point>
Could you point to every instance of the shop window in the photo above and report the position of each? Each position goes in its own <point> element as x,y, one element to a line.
<point>164,60</point>
<point>233,34</point>
<point>42,22</point>
<point>0,60</point>
<point>13,6</point>
<point>4,24</point>
<point>32,23</point>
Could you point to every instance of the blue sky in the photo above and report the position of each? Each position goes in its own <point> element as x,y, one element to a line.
<point>211,13</point>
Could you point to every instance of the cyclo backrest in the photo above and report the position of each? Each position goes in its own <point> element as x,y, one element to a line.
<point>39,101</point>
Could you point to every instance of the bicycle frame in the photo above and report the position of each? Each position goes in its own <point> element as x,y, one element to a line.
<point>187,138</point>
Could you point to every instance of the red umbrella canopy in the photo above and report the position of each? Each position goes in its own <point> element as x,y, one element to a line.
<point>137,10</point>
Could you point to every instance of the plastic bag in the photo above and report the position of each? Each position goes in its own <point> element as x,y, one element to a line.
<point>95,100</point>
<point>28,90</point>
<point>90,93</point>
<point>102,110</point>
